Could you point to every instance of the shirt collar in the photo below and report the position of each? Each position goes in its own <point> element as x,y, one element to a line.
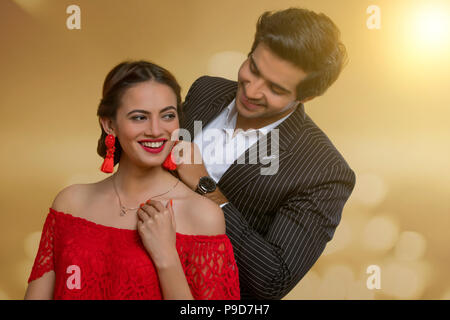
<point>231,117</point>
<point>230,120</point>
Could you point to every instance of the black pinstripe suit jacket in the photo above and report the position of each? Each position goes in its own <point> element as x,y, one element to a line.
<point>278,224</point>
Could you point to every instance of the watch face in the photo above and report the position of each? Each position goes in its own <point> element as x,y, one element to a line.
<point>207,184</point>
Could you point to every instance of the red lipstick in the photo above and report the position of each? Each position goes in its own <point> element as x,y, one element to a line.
<point>150,149</point>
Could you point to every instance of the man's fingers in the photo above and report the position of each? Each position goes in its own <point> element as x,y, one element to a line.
<point>178,153</point>
<point>187,153</point>
<point>172,213</point>
<point>196,154</point>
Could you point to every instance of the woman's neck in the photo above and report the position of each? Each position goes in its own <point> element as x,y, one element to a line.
<point>135,184</point>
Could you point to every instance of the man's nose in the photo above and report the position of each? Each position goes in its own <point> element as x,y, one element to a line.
<point>253,89</point>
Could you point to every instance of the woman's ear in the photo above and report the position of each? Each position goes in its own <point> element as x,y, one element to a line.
<point>107,125</point>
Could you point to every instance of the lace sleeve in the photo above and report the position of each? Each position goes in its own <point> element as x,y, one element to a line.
<point>210,268</point>
<point>44,258</point>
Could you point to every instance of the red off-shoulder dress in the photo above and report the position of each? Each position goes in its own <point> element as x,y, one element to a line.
<point>93,261</point>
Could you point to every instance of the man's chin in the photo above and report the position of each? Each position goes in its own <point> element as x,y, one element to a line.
<point>247,113</point>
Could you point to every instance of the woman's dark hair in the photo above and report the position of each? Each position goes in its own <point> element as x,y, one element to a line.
<point>122,77</point>
<point>309,40</point>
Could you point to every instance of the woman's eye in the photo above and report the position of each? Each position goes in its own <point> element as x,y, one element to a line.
<point>169,116</point>
<point>138,118</point>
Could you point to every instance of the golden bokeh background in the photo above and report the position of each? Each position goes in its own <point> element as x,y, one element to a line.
<point>388,114</point>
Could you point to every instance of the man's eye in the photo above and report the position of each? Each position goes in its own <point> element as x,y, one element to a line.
<point>253,69</point>
<point>276,91</point>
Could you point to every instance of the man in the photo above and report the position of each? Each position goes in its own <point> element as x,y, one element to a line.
<point>278,221</point>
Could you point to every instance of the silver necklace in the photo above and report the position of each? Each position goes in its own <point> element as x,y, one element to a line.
<point>123,209</point>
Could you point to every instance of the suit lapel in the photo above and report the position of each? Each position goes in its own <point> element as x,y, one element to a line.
<point>251,164</point>
<point>209,112</point>
<point>248,166</point>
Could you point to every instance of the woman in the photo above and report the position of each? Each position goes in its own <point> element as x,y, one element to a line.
<point>105,240</point>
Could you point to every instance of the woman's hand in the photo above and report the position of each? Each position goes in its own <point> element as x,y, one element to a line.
<point>157,229</point>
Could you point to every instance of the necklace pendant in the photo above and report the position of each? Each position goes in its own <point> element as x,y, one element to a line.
<point>123,212</point>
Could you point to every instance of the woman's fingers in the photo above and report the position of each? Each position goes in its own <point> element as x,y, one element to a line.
<point>153,208</point>
<point>153,211</point>
<point>157,205</point>
<point>150,210</point>
<point>142,214</point>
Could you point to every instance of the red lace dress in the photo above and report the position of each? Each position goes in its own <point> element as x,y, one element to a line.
<point>93,261</point>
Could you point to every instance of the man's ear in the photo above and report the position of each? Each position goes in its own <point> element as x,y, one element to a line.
<point>293,105</point>
<point>307,99</point>
<point>107,125</point>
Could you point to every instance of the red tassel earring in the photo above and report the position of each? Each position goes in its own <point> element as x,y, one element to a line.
<point>108,164</point>
<point>169,164</point>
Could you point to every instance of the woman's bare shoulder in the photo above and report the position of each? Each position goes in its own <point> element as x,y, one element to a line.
<point>71,198</point>
<point>206,216</point>
<point>66,198</point>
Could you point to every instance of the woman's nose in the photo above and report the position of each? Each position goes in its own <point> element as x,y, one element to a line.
<point>154,129</point>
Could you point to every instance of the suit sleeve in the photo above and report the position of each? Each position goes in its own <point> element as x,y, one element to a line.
<point>193,91</point>
<point>271,265</point>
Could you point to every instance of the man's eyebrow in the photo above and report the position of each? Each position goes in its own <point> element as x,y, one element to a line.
<point>253,63</point>
<point>279,87</point>
<point>146,112</point>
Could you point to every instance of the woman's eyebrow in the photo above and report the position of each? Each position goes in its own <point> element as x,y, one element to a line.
<point>147,112</point>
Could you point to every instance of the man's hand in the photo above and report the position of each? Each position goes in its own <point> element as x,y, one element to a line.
<point>190,168</point>
<point>189,162</point>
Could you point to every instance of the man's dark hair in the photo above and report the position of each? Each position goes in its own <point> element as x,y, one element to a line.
<point>308,40</point>
<point>122,77</point>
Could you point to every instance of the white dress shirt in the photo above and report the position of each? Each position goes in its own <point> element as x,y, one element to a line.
<point>218,146</point>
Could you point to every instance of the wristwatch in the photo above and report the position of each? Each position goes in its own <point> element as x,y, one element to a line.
<point>205,185</point>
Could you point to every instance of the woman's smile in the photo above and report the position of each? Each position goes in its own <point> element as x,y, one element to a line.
<point>153,146</point>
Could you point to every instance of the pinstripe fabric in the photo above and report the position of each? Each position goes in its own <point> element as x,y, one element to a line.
<point>278,224</point>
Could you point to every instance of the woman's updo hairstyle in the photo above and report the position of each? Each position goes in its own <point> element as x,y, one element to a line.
<point>122,77</point>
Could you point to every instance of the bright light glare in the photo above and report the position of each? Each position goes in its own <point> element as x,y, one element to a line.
<point>431,26</point>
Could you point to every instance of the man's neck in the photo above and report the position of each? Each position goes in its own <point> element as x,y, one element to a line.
<point>257,123</point>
